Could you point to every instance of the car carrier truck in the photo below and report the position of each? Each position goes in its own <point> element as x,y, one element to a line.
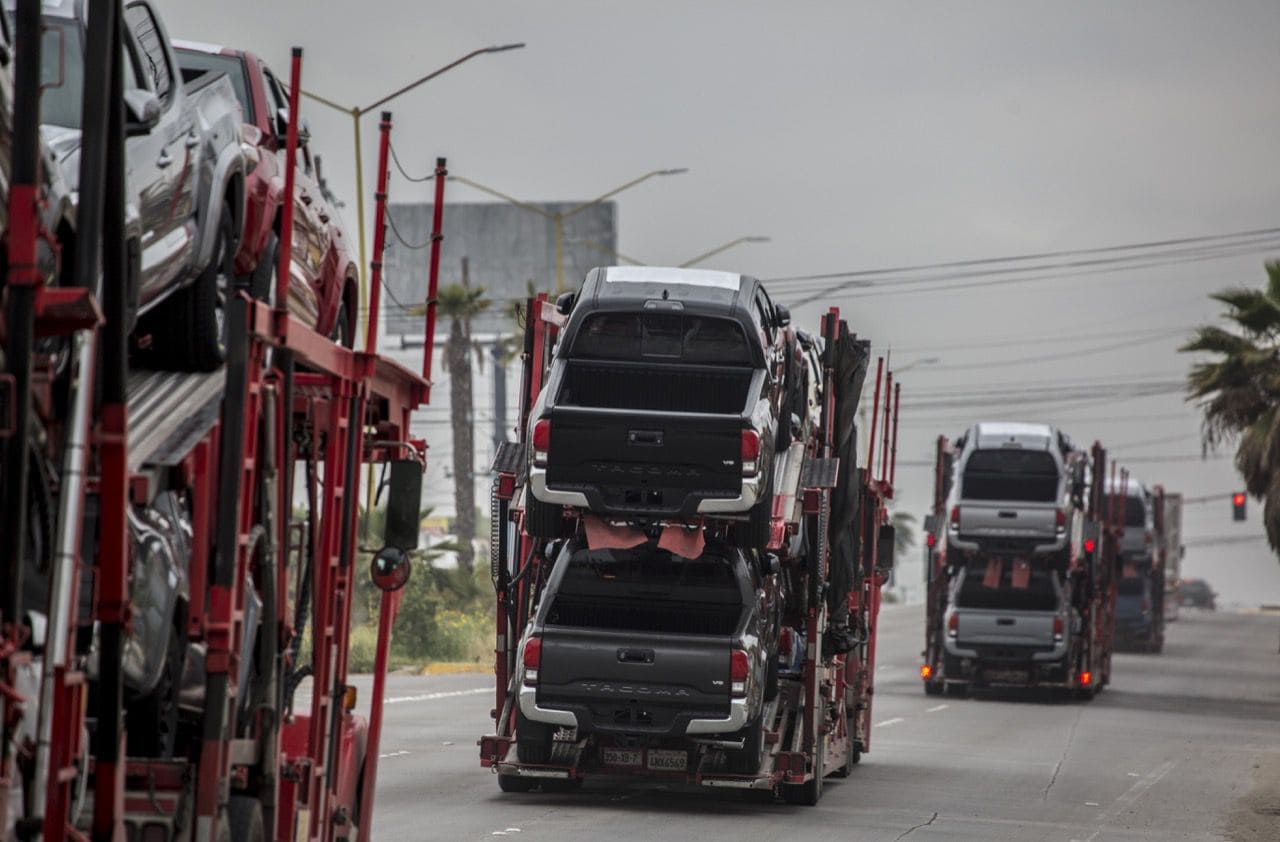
<point>669,642</point>
<point>194,476</point>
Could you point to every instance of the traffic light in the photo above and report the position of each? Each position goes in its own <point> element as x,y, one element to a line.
<point>1237,505</point>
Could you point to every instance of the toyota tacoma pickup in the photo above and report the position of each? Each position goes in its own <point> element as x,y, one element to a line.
<point>644,651</point>
<point>663,401</point>
<point>184,177</point>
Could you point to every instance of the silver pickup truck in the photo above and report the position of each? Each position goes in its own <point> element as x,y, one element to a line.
<point>184,180</point>
<point>1015,492</point>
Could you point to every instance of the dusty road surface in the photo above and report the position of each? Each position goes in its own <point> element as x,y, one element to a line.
<point>1185,745</point>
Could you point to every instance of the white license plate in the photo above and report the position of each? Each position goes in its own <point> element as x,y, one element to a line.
<point>1008,676</point>
<point>668,761</point>
<point>621,756</point>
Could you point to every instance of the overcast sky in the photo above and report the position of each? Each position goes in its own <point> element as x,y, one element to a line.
<point>859,136</point>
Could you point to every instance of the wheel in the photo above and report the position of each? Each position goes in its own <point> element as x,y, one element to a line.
<point>542,520</point>
<point>851,758</point>
<point>771,679</point>
<point>533,740</point>
<point>760,523</point>
<point>244,816</point>
<point>152,720</point>
<point>262,578</point>
<point>809,793</point>
<point>342,332</point>
<point>514,783</point>
<point>200,329</point>
<point>748,759</point>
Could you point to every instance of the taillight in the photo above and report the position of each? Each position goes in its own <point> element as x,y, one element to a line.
<point>1086,678</point>
<point>739,670</point>
<point>1061,521</point>
<point>926,671</point>
<point>532,660</point>
<point>953,625</point>
<point>1089,545</point>
<point>750,452</point>
<point>930,539</point>
<point>541,442</point>
<point>1059,626</point>
<point>955,517</point>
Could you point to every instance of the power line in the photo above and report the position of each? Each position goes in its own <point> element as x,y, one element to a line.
<point>1022,340</point>
<point>1059,355</point>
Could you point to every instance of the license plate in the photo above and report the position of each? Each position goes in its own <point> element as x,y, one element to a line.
<point>621,756</point>
<point>668,761</point>
<point>1007,676</point>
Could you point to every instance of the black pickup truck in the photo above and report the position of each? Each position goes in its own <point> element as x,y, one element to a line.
<point>644,651</point>
<point>664,400</point>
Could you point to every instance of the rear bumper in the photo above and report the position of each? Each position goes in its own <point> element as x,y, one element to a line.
<point>1007,545</point>
<point>735,721</point>
<point>592,499</point>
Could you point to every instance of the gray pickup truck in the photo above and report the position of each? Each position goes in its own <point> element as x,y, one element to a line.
<point>184,182</point>
<point>1016,492</point>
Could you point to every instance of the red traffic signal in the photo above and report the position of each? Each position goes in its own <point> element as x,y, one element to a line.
<point>1237,505</point>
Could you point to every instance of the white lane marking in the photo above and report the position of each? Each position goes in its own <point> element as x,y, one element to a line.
<point>937,708</point>
<point>893,721</point>
<point>444,694</point>
<point>1092,804</point>
<point>1092,836</point>
<point>392,754</point>
<point>1139,788</point>
<point>1133,775</point>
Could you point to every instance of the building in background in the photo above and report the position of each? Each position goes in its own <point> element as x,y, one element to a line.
<point>507,248</point>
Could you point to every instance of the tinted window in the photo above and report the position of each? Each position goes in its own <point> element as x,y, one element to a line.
<point>61,54</point>
<point>195,63</point>
<point>155,63</point>
<point>1038,595</point>
<point>662,336</point>
<point>1135,512</point>
<point>1133,587</point>
<point>1011,474</point>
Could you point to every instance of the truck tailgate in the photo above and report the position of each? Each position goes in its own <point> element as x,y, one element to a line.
<point>645,461</point>
<point>1008,520</point>
<point>978,627</point>
<point>635,682</point>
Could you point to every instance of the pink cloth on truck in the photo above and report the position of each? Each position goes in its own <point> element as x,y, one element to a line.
<point>602,535</point>
<point>994,568</point>
<point>687,542</point>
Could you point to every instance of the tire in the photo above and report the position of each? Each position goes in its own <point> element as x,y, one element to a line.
<point>933,688</point>
<point>342,332</point>
<point>759,528</point>
<point>244,816</point>
<point>749,759</point>
<point>809,793</point>
<point>533,740</point>
<point>542,520</point>
<point>515,783</point>
<point>152,720</point>
<point>202,306</point>
<point>851,756</point>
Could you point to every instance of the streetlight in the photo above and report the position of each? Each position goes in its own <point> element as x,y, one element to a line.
<point>357,112</point>
<point>558,217</point>
<point>754,238</point>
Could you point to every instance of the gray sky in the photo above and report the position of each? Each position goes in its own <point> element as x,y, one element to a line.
<point>860,136</point>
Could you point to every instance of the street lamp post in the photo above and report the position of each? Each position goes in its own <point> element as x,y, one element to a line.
<point>754,238</point>
<point>357,112</point>
<point>558,217</point>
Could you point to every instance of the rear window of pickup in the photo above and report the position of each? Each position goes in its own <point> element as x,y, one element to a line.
<point>1029,476</point>
<point>663,337</point>
<point>1038,595</point>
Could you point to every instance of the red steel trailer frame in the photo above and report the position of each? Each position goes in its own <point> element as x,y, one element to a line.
<point>820,723</point>
<point>290,397</point>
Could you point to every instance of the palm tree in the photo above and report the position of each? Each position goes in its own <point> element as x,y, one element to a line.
<point>1239,391</point>
<point>903,533</point>
<point>460,303</point>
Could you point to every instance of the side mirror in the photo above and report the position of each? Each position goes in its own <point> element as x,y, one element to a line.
<point>282,128</point>
<point>886,545</point>
<point>772,565</point>
<point>564,304</point>
<point>304,132</point>
<point>930,523</point>
<point>783,314</point>
<point>141,112</point>
<point>391,565</point>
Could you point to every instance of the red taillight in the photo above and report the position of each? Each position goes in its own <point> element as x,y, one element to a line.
<point>532,660</point>
<point>926,671</point>
<point>953,625</point>
<point>1089,545</point>
<point>739,670</point>
<point>750,452</point>
<point>541,441</point>
<point>1059,626</point>
<point>930,539</point>
<point>955,517</point>
<point>1086,678</point>
<point>1061,521</point>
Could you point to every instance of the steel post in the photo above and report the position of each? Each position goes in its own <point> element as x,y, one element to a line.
<point>379,237</point>
<point>433,277</point>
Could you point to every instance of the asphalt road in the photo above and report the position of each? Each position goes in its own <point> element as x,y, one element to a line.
<point>1171,750</point>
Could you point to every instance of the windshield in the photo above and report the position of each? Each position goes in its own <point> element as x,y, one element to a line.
<point>61,57</point>
<point>1011,474</point>
<point>195,63</point>
<point>662,337</point>
<point>1038,595</point>
<point>1135,512</point>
